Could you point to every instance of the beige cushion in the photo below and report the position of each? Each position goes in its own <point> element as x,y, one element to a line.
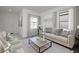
<point>3,34</point>
<point>63,39</point>
<point>1,47</point>
<point>55,37</point>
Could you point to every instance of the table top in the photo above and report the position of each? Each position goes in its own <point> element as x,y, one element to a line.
<point>39,42</point>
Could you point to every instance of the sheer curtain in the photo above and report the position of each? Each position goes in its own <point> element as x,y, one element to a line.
<point>65,20</point>
<point>33,25</point>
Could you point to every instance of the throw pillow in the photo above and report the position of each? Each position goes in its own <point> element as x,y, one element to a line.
<point>48,30</point>
<point>64,33</point>
<point>57,31</point>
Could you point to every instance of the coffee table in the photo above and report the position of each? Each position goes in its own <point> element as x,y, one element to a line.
<point>39,45</point>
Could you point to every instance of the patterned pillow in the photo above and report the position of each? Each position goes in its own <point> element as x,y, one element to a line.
<point>64,33</point>
<point>48,30</point>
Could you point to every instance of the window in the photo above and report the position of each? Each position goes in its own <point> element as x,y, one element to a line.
<point>64,20</point>
<point>34,22</point>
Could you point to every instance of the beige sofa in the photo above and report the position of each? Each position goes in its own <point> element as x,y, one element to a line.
<point>65,41</point>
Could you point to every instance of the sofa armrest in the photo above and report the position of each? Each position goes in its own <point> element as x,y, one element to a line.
<point>7,48</point>
<point>71,40</point>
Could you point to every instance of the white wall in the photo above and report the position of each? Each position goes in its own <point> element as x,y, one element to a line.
<point>48,20</point>
<point>25,25</point>
<point>9,22</point>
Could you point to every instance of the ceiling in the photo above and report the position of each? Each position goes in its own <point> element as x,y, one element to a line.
<point>38,9</point>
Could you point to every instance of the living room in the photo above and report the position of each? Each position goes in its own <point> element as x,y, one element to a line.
<point>57,25</point>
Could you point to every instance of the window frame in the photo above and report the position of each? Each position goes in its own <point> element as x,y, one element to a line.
<point>32,23</point>
<point>63,14</point>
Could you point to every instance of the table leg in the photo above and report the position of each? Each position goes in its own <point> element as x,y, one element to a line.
<point>50,44</point>
<point>29,41</point>
<point>39,49</point>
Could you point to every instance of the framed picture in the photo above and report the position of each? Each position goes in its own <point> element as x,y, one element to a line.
<point>20,21</point>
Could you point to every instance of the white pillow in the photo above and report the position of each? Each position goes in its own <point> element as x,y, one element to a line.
<point>3,34</point>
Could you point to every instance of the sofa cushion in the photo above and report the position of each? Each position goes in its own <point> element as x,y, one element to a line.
<point>56,37</point>
<point>63,39</point>
<point>3,34</point>
<point>64,33</point>
<point>1,47</point>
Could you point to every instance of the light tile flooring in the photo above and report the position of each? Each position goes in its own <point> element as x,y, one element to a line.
<point>26,48</point>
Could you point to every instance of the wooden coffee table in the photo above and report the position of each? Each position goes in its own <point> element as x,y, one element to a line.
<point>39,45</point>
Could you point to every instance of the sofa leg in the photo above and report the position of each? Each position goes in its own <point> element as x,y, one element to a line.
<point>71,48</point>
